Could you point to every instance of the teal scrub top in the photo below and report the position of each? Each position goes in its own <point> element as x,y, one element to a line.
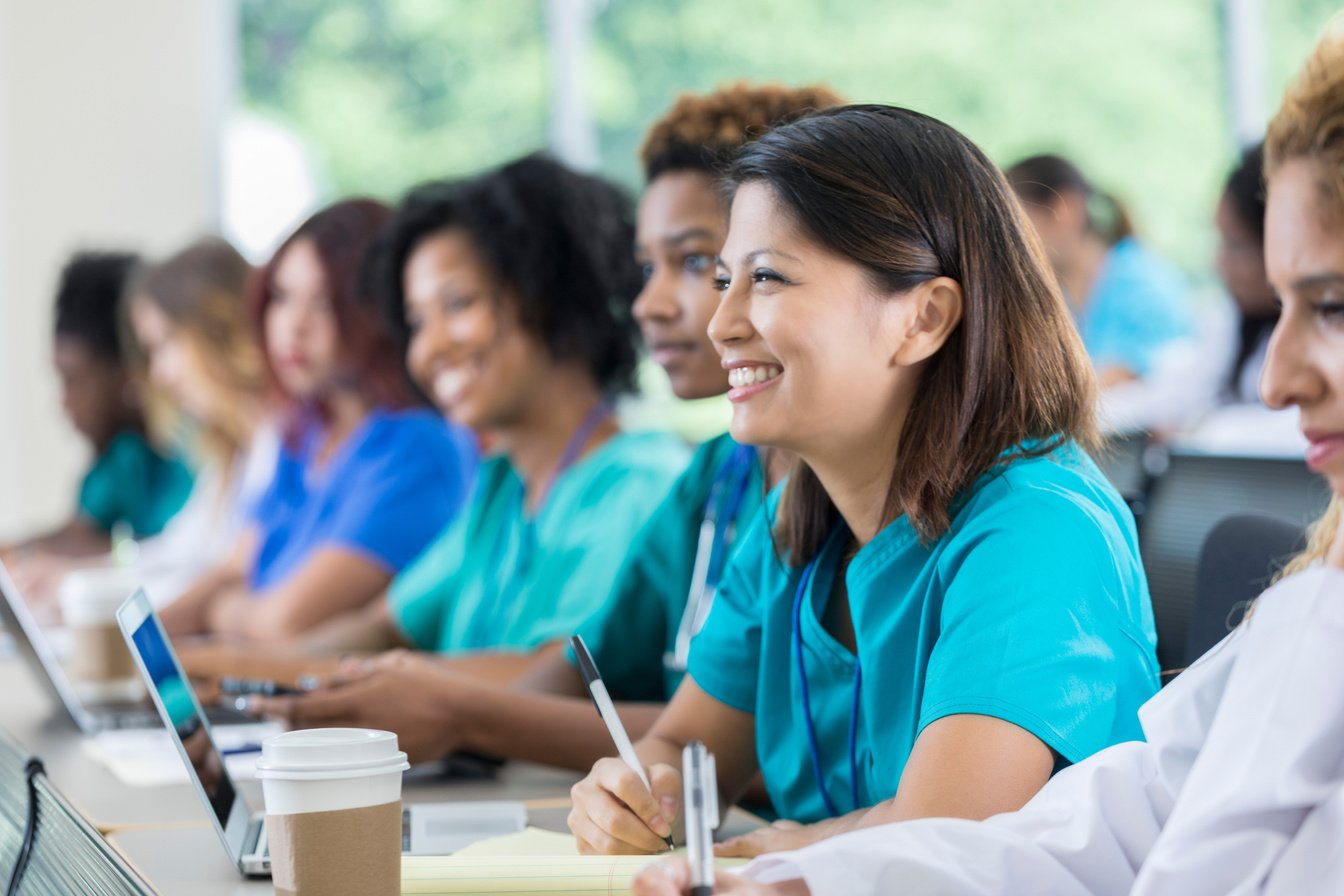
<point>133,483</point>
<point>496,580</point>
<point>1033,608</point>
<point>638,629</point>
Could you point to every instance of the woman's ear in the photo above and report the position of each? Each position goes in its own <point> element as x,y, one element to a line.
<point>936,306</point>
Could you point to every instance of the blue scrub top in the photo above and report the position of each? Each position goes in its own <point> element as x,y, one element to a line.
<point>1033,607</point>
<point>385,492</point>
<point>1139,304</point>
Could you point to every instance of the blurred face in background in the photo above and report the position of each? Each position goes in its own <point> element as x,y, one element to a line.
<point>1304,254</point>
<point>1240,261</point>
<point>302,335</point>
<point>174,359</point>
<point>95,391</point>
<point>1061,226</point>
<point>681,228</point>
<point>467,351</point>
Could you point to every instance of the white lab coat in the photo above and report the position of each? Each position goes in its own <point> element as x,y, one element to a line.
<point>1239,788</point>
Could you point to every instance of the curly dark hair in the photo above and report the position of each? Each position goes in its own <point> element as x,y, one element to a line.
<point>702,132</point>
<point>558,240</point>
<point>88,298</point>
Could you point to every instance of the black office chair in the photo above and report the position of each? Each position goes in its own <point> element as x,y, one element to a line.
<point>1241,555</point>
<point>1196,492</point>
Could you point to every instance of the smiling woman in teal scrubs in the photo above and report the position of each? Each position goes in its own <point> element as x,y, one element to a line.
<point>515,287</point>
<point>945,602</point>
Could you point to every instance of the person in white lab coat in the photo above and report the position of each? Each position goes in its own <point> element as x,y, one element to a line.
<point>1239,788</point>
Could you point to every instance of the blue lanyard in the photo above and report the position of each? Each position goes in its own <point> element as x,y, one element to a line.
<point>732,478</point>
<point>810,728</point>
<point>735,474</point>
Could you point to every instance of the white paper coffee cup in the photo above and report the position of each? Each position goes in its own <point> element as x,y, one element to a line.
<point>333,810</point>
<point>100,662</point>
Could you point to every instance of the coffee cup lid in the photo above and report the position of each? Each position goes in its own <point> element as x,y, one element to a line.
<point>91,596</point>
<point>323,753</point>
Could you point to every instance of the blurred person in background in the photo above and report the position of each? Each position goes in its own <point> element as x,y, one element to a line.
<point>364,479</point>
<point>189,317</point>
<point>1132,308</point>
<point>1241,422</point>
<point>132,485</point>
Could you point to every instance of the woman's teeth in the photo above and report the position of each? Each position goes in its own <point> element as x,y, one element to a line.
<point>749,376</point>
<point>448,386</point>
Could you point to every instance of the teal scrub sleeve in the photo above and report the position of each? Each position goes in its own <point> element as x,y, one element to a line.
<point>1022,642</point>
<point>616,502</point>
<point>420,595</point>
<point>130,482</point>
<point>628,638</point>
<point>726,656</point>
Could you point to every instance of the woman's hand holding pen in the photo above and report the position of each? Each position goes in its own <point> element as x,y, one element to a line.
<point>614,813</point>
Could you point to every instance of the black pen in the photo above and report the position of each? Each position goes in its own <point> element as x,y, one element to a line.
<point>607,710</point>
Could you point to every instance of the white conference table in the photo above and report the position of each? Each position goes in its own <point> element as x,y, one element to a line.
<point>164,832</point>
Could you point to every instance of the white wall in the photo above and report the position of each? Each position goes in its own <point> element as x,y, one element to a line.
<point>110,119</point>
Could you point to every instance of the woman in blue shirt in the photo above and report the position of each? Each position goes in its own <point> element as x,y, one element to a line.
<point>945,601</point>
<point>363,481</point>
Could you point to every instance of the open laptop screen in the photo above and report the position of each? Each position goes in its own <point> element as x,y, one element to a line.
<point>32,645</point>
<point>184,716</point>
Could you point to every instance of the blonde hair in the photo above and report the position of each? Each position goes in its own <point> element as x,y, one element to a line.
<point>200,291</point>
<point>1319,538</point>
<point>1309,126</point>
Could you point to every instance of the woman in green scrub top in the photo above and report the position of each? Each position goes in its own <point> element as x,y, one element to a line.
<point>514,288</point>
<point>944,603</point>
<point>641,639</point>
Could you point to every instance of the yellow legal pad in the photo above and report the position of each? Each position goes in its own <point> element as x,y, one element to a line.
<point>533,861</point>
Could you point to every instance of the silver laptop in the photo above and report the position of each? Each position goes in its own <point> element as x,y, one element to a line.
<point>430,829</point>
<point>32,644</point>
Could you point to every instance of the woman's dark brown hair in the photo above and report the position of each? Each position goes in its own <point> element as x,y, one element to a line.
<point>910,199</point>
